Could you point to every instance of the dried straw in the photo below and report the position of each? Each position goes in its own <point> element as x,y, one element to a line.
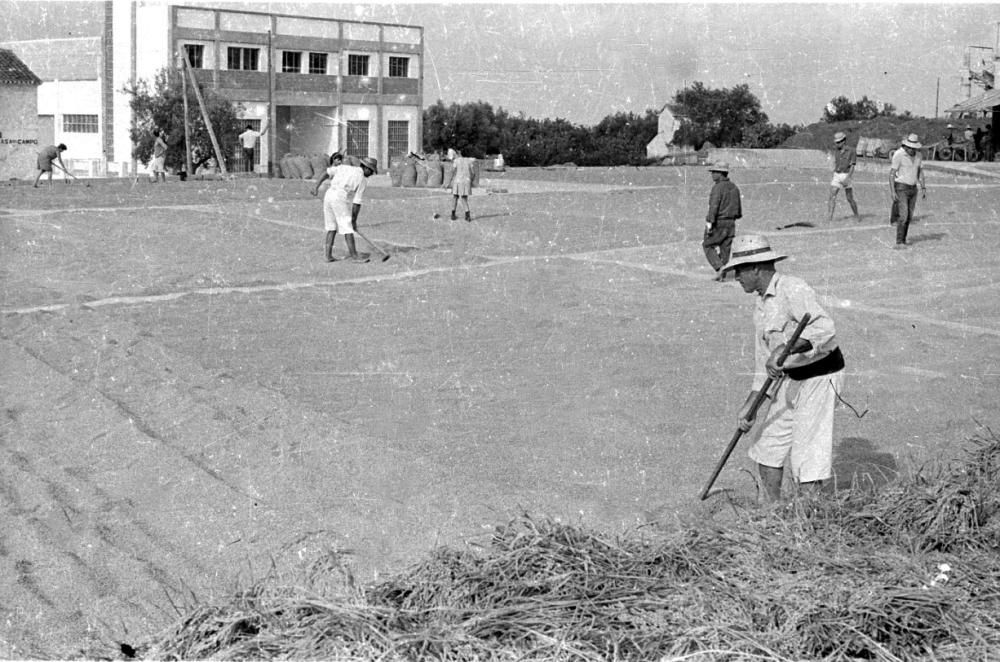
<point>839,578</point>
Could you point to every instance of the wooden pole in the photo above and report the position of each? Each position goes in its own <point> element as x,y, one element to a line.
<point>204,115</point>
<point>187,122</point>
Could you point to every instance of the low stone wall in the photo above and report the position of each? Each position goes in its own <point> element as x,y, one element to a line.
<point>762,158</point>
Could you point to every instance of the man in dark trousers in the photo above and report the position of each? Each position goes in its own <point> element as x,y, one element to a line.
<point>724,207</point>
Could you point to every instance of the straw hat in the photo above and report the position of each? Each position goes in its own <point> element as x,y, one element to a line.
<point>840,136</point>
<point>751,249</point>
<point>370,163</point>
<point>912,140</point>
<point>721,166</point>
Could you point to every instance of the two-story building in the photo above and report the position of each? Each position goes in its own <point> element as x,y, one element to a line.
<point>321,84</point>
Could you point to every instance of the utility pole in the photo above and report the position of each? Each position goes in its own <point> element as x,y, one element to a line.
<point>937,97</point>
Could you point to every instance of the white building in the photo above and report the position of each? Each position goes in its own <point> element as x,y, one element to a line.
<point>663,143</point>
<point>324,84</point>
<point>19,143</point>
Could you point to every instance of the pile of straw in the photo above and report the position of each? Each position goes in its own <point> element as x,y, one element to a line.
<point>911,572</point>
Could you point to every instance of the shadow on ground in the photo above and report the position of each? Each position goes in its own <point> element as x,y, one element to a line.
<point>933,236</point>
<point>856,461</point>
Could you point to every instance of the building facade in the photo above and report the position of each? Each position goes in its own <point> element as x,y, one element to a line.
<point>19,144</point>
<point>316,84</point>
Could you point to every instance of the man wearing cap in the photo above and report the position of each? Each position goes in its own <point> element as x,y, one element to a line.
<point>797,427</point>
<point>342,202</point>
<point>724,207</point>
<point>844,160</point>
<point>905,173</point>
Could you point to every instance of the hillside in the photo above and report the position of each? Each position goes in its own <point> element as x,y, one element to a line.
<point>820,134</point>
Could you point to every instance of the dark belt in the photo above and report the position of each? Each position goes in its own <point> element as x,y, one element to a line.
<point>829,364</point>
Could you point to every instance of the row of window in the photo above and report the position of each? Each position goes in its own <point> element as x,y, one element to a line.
<point>397,138</point>
<point>239,58</point>
<point>398,133</point>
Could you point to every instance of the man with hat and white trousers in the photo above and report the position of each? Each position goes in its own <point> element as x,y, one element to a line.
<point>844,160</point>
<point>724,207</point>
<point>905,173</point>
<point>797,426</point>
<point>342,203</point>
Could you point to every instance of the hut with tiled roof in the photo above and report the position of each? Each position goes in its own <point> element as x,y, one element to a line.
<point>18,117</point>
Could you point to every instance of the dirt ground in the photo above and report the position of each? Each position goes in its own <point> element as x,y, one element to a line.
<point>192,395</point>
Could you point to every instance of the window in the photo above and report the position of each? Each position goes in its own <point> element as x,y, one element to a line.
<point>357,137</point>
<point>317,63</point>
<point>80,123</point>
<point>399,138</point>
<point>195,55</point>
<point>399,67</point>
<point>242,59</point>
<point>357,65</point>
<point>291,62</point>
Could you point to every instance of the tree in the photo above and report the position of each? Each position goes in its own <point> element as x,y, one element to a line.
<point>162,107</point>
<point>471,128</point>
<point>764,135</point>
<point>841,109</point>
<point>716,116</point>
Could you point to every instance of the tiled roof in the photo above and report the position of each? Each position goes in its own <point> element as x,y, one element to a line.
<point>985,101</point>
<point>15,72</point>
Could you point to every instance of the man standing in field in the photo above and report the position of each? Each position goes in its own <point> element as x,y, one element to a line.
<point>158,166</point>
<point>342,202</point>
<point>46,157</point>
<point>844,160</point>
<point>905,172</point>
<point>461,185</point>
<point>797,427</point>
<point>724,207</point>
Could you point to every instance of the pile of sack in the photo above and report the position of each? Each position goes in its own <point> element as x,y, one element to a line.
<point>414,171</point>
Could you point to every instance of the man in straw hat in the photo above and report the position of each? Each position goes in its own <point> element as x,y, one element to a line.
<point>905,173</point>
<point>342,202</point>
<point>724,207</point>
<point>797,427</point>
<point>844,160</point>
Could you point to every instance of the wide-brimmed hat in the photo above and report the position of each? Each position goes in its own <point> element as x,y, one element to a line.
<point>721,166</point>
<point>370,163</point>
<point>912,140</point>
<point>751,249</point>
<point>840,136</point>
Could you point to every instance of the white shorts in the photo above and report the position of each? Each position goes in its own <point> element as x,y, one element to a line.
<point>337,214</point>
<point>841,180</point>
<point>158,164</point>
<point>799,427</point>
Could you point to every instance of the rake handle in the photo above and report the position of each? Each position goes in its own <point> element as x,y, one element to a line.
<point>755,405</point>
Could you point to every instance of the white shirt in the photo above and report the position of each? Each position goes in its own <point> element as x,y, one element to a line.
<point>347,182</point>
<point>249,138</point>
<point>906,167</point>
<point>777,313</point>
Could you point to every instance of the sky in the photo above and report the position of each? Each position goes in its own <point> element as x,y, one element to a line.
<point>582,61</point>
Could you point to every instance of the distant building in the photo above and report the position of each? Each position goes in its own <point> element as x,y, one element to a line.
<point>325,84</point>
<point>663,143</point>
<point>18,117</point>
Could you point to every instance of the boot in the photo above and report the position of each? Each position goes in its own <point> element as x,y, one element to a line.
<point>453,216</point>
<point>468,216</point>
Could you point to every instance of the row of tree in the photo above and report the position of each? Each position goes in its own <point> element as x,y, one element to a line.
<point>476,129</point>
<point>722,117</point>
